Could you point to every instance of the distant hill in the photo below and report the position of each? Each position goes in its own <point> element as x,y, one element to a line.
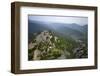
<point>72,30</point>
<point>78,27</point>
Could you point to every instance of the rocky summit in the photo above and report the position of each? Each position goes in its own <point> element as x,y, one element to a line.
<point>47,45</point>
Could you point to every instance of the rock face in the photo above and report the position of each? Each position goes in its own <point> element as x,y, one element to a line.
<point>81,51</point>
<point>43,46</point>
<point>36,55</point>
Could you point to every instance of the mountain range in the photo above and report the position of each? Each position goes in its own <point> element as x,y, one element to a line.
<point>73,30</point>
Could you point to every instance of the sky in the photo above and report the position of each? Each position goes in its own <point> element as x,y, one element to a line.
<point>59,19</point>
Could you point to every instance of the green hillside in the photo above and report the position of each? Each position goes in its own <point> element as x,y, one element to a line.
<point>47,46</point>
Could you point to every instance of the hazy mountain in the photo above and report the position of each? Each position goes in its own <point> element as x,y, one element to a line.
<point>75,26</point>
<point>36,26</point>
<point>73,30</point>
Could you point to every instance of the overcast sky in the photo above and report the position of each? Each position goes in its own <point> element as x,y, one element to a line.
<point>59,19</point>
